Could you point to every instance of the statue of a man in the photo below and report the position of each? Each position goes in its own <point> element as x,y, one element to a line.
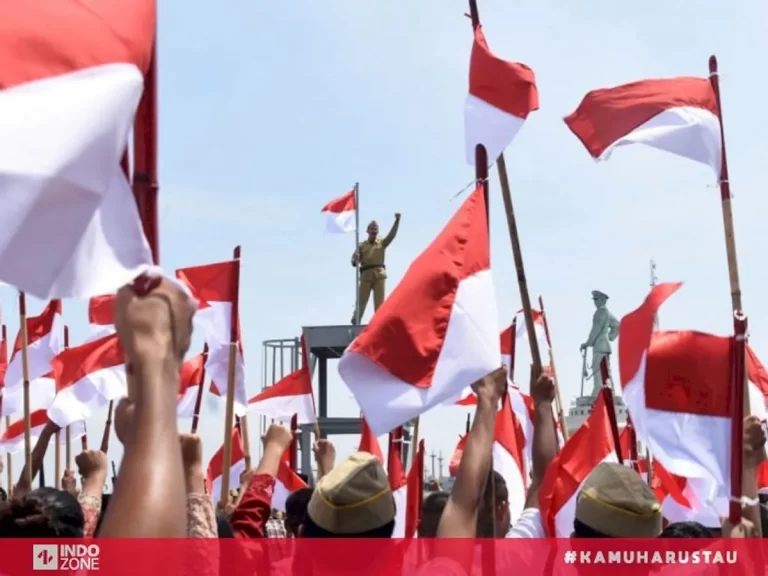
<point>373,272</point>
<point>605,329</point>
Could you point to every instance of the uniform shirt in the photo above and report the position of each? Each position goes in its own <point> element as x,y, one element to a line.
<point>372,253</point>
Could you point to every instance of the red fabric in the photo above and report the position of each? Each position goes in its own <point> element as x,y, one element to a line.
<point>607,115</point>
<point>368,442</point>
<point>341,204</point>
<point>249,519</point>
<point>101,310</point>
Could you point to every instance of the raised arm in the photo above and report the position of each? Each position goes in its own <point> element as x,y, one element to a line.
<point>393,231</point>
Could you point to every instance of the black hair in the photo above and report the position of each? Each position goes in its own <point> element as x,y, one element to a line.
<point>581,530</point>
<point>223,527</point>
<point>3,494</point>
<point>42,513</point>
<point>495,486</point>
<point>296,509</point>
<point>431,511</point>
<point>686,530</point>
<point>312,530</point>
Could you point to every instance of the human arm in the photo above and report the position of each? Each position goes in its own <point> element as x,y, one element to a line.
<point>92,467</point>
<point>392,232</point>
<point>325,456</point>
<point>38,456</point>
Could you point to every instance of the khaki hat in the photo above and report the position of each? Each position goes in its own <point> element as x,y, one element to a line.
<point>616,502</point>
<point>354,497</point>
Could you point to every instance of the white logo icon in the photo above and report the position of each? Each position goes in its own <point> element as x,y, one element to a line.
<point>45,557</point>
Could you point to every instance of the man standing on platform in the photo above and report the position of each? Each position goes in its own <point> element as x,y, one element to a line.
<point>373,272</point>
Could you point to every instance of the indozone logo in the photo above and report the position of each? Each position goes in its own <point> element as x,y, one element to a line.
<point>65,557</point>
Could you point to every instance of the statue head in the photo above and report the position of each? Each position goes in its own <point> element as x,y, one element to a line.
<point>599,298</point>
<point>373,230</point>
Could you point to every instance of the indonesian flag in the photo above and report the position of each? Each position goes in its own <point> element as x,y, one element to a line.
<point>509,457</point>
<point>292,395</point>
<point>71,76</point>
<point>216,467</point>
<point>192,376</point>
<point>591,445</point>
<point>538,326</point>
<point>42,391</point>
<point>415,493</point>
<point>43,341</point>
<point>341,214</point>
<point>398,482</point>
<point>3,367</point>
<point>501,95</point>
<point>101,315</point>
<point>368,442</point>
<point>12,440</point>
<point>436,334</point>
<point>214,286</point>
<point>677,387</point>
<point>286,483</point>
<point>677,115</point>
<point>458,452</point>
<point>87,378</point>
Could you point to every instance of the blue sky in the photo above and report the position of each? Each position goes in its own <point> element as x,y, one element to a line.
<point>269,110</point>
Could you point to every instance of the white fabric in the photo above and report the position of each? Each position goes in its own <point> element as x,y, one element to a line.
<point>528,525</point>
<point>67,206</point>
<point>93,391</point>
<point>185,406</point>
<point>505,464</point>
<point>470,351</point>
<point>16,443</point>
<point>283,408</point>
<point>671,131</point>
<point>401,506</point>
<point>235,470</point>
<point>516,400</point>
<point>40,353</point>
<point>340,222</point>
<point>41,394</point>
<point>487,125</point>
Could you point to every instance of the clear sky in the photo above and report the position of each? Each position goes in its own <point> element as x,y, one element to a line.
<point>269,110</point>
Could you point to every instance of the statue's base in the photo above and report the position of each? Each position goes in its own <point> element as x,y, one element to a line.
<point>582,407</point>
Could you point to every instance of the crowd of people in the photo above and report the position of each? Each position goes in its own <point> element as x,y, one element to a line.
<point>351,497</point>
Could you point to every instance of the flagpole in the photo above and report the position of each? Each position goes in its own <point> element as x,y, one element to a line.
<point>357,249</point>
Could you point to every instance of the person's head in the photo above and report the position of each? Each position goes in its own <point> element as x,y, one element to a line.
<point>599,298</point>
<point>3,494</point>
<point>431,511</point>
<point>686,530</point>
<point>42,513</point>
<point>296,510</point>
<point>353,500</point>
<point>223,526</point>
<point>373,230</point>
<point>614,502</point>
<point>488,507</point>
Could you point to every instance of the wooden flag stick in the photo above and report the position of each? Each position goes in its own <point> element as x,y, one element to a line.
<point>84,439</point>
<point>68,432</point>
<point>107,428</point>
<point>200,390</point>
<point>57,462</point>
<point>558,397</point>
<point>229,416</point>
<point>9,460</point>
<point>25,389</point>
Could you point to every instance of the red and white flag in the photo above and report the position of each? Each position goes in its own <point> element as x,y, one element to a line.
<point>436,334</point>
<point>677,388</point>
<point>291,396</point>
<point>368,442</point>
<point>214,287</point>
<point>415,493</point>
<point>538,326</point>
<point>42,391</point>
<point>286,483</point>
<point>458,452</point>
<point>43,343</point>
<point>341,214</point>
<point>591,445</point>
<point>398,482</point>
<point>192,376</point>
<point>501,95</point>
<point>12,440</point>
<point>216,467</point>
<point>509,457</point>
<point>71,76</point>
<point>677,115</point>
<point>101,315</point>
<point>87,378</point>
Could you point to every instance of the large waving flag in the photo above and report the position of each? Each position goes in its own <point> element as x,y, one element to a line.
<point>71,76</point>
<point>341,213</point>
<point>501,95</point>
<point>437,333</point>
<point>677,115</point>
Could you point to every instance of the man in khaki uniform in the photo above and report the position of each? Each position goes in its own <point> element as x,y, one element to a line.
<point>373,272</point>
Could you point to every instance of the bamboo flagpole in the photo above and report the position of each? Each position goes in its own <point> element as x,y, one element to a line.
<point>229,417</point>
<point>25,389</point>
<point>8,460</point>
<point>200,391</point>
<point>358,316</point>
<point>738,376</point>
<point>558,397</point>
<point>107,428</point>
<point>514,238</point>
<point>57,461</point>
<point>68,431</point>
